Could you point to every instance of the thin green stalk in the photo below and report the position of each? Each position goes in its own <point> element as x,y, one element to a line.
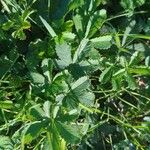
<point>134,93</point>
<point>10,67</point>
<point>93,110</point>
<point>127,102</point>
<point>125,15</point>
<point>35,148</point>
<point>6,122</point>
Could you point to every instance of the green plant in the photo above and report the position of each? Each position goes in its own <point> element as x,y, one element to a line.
<point>74,74</point>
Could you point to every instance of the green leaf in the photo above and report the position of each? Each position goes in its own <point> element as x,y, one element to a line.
<point>131,81</point>
<point>105,75</point>
<point>136,58</point>
<point>98,2</point>
<point>5,5</point>
<point>147,61</point>
<point>19,34</point>
<point>141,70</point>
<point>6,104</point>
<point>87,99</point>
<point>141,47</point>
<point>78,24</point>
<point>6,63</point>
<point>70,133</point>
<point>26,25</point>
<point>6,143</point>
<point>80,85</point>
<point>46,145</point>
<point>116,84</point>
<point>123,61</point>
<point>95,22</point>
<point>37,78</point>
<point>83,48</point>
<point>94,54</point>
<point>124,144</point>
<point>6,26</point>
<point>71,100</point>
<point>36,112</point>
<point>119,73</point>
<point>46,108</point>
<point>59,8</point>
<point>138,36</point>
<point>48,27</point>
<point>58,85</point>
<point>47,66</point>
<point>127,31</point>
<point>131,4</point>
<point>90,66</point>
<point>64,53</point>
<point>75,4</point>
<point>69,116</point>
<point>52,142</point>
<point>103,42</point>
<point>32,131</point>
<point>53,137</point>
<point>68,36</point>
<point>76,71</point>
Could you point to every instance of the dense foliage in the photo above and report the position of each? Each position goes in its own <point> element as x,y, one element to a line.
<point>74,74</point>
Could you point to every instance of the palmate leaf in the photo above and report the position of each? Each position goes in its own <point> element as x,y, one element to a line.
<point>77,87</point>
<point>79,93</point>
<point>59,84</point>
<point>64,54</point>
<point>78,70</point>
